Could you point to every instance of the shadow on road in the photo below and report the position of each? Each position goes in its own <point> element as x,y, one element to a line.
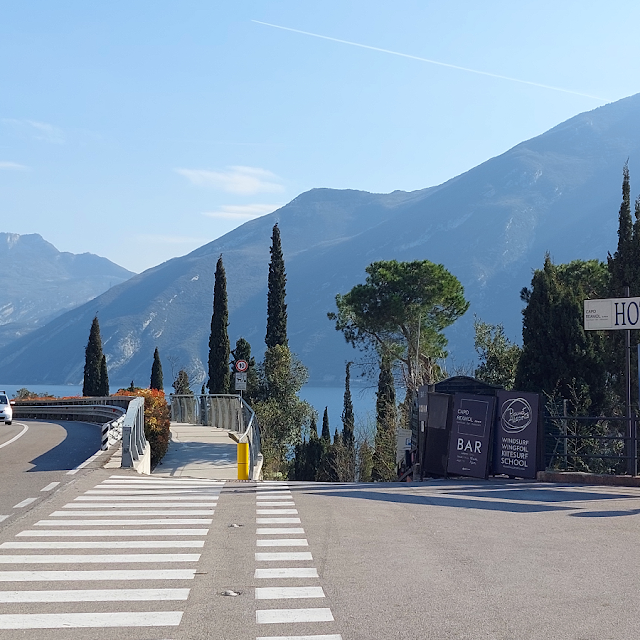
<point>445,501</point>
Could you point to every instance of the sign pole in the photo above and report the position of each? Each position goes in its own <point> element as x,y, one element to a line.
<point>631,460</point>
<point>619,314</point>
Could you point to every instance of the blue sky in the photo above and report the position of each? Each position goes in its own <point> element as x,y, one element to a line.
<point>142,130</point>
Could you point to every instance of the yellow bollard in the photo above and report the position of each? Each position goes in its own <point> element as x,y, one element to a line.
<point>243,460</point>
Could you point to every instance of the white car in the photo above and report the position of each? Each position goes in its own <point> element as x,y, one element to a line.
<point>6,411</point>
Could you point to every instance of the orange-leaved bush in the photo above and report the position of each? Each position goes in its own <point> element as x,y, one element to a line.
<point>156,420</point>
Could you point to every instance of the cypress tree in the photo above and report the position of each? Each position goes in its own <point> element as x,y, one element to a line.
<point>558,355</point>
<point>326,432</point>
<point>181,384</point>
<point>624,270</point>
<point>157,381</point>
<point>93,361</point>
<point>384,454</point>
<point>219,350</point>
<point>243,352</point>
<point>621,264</point>
<point>348,420</point>
<point>276,305</point>
<point>103,389</point>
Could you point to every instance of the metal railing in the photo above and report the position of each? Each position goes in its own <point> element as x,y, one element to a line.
<point>90,410</point>
<point>122,415</point>
<point>225,411</point>
<point>134,443</point>
<point>589,444</point>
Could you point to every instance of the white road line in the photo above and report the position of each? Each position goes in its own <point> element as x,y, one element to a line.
<point>277,520</point>
<point>276,593</point>
<point>113,574</point>
<point>106,544</point>
<point>276,512</point>
<point>275,504</point>
<point>283,555</point>
<point>3,518</point>
<point>137,512</point>
<point>175,494</point>
<point>24,503</point>
<point>87,620</point>
<point>271,531</point>
<point>160,483</point>
<point>93,595</point>
<point>283,616</point>
<point>276,493</point>
<point>277,497</point>
<point>100,559</point>
<point>82,523</point>
<point>330,636</point>
<point>25,428</point>
<point>97,454</point>
<point>51,485</point>
<point>212,483</point>
<point>57,533</point>
<point>280,542</point>
<point>212,500</point>
<point>289,572</point>
<point>138,505</point>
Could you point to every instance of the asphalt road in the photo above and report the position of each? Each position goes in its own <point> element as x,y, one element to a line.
<point>35,454</point>
<point>445,560</point>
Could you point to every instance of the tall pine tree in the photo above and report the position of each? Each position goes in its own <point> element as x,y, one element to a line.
<point>157,381</point>
<point>348,420</point>
<point>326,431</point>
<point>384,454</point>
<point>622,265</point>
<point>624,271</point>
<point>219,349</point>
<point>93,362</point>
<point>276,305</point>
<point>103,389</point>
<point>558,356</point>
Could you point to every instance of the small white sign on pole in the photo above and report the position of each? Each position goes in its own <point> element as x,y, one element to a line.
<point>612,314</point>
<point>241,381</point>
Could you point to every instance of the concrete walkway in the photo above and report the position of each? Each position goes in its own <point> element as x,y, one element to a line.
<point>198,451</point>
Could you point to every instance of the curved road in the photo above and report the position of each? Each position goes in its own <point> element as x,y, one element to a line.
<point>34,455</point>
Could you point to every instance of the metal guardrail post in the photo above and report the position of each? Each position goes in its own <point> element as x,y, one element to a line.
<point>127,460</point>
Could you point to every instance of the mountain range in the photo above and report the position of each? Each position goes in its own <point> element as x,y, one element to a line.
<point>491,226</point>
<point>39,282</point>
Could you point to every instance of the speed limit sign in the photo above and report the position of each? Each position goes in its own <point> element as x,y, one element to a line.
<point>241,366</point>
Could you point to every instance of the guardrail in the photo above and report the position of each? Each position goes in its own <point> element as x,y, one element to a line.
<point>122,418</point>
<point>225,411</point>
<point>136,451</point>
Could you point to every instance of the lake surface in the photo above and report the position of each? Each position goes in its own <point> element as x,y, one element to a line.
<point>364,400</point>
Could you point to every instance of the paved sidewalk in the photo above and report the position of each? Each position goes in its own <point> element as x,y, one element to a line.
<point>198,451</point>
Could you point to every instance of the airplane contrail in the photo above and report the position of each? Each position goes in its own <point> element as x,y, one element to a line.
<point>436,62</point>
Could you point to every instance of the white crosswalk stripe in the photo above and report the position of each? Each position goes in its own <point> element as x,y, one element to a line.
<point>265,495</point>
<point>130,522</point>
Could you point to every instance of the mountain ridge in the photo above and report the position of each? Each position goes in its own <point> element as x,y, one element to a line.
<point>490,226</point>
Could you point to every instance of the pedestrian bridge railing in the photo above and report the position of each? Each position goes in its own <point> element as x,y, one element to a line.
<point>225,411</point>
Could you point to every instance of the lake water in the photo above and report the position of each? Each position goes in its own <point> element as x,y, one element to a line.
<point>364,400</point>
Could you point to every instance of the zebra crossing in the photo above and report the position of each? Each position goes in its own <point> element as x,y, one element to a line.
<point>104,538</point>
<point>275,515</point>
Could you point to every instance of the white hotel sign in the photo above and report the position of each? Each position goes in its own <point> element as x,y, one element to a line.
<point>612,314</point>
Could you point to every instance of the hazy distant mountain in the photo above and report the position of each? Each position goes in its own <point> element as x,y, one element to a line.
<point>559,192</point>
<point>39,282</point>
